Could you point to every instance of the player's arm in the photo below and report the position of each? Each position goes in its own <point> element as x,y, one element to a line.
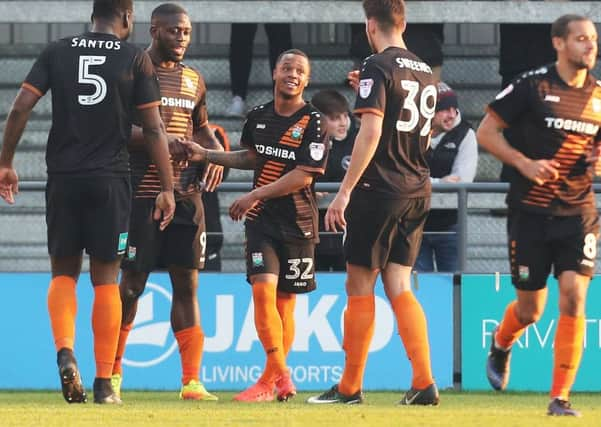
<point>13,130</point>
<point>205,137</point>
<point>241,159</point>
<point>363,151</point>
<point>292,181</point>
<point>490,137</point>
<point>156,143</point>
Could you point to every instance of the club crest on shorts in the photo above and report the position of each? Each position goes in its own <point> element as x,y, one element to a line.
<point>257,258</point>
<point>317,150</point>
<point>297,132</point>
<point>523,273</point>
<point>365,86</point>
<point>122,243</point>
<point>131,253</point>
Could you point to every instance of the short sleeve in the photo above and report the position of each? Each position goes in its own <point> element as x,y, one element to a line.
<point>371,97</point>
<point>38,79</point>
<point>147,92</point>
<point>246,139</point>
<point>312,155</point>
<point>511,102</point>
<point>200,116</point>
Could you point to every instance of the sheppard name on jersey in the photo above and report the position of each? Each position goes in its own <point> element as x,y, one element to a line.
<point>282,153</point>
<point>96,44</point>
<point>177,102</point>
<point>413,65</point>
<point>572,125</point>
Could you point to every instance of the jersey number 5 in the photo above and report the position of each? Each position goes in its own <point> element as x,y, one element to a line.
<point>85,77</point>
<point>427,106</point>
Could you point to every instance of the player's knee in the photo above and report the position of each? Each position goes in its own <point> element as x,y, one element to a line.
<point>572,305</point>
<point>529,315</point>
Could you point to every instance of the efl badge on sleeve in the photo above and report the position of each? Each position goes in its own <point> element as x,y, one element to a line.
<point>365,86</point>
<point>596,105</point>
<point>317,150</point>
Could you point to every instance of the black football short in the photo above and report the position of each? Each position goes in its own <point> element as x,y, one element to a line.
<point>292,262</point>
<point>90,213</point>
<point>538,243</point>
<point>380,230</point>
<point>183,243</point>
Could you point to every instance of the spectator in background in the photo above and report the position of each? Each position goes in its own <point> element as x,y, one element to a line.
<point>452,157</point>
<point>425,40</point>
<point>210,201</point>
<point>241,52</point>
<point>342,130</point>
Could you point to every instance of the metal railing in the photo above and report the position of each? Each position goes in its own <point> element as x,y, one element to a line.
<point>461,190</point>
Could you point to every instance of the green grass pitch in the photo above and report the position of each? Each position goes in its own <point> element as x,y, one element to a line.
<point>487,409</point>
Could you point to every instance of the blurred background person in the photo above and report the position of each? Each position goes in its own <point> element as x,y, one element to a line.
<point>242,39</point>
<point>342,130</point>
<point>452,157</point>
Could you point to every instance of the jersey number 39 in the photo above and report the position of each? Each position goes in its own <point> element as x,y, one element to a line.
<point>84,76</point>
<point>426,108</point>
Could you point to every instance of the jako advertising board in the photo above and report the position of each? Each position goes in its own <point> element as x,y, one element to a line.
<point>482,308</point>
<point>233,357</point>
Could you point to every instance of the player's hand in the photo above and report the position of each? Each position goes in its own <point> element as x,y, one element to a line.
<point>195,152</point>
<point>353,79</point>
<point>178,151</point>
<point>9,184</point>
<point>241,206</point>
<point>334,218</point>
<point>164,208</point>
<point>213,176</point>
<point>540,171</point>
<point>594,159</point>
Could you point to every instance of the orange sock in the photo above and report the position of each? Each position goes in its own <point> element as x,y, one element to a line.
<point>569,340</point>
<point>510,328</point>
<point>269,329</point>
<point>191,343</point>
<point>359,321</point>
<point>106,323</point>
<point>413,330</point>
<point>62,308</point>
<point>285,303</point>
<point>123,334</point>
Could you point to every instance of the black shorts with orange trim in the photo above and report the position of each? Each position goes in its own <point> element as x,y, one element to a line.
<point>541,243</point>
<point>183,243</point>
<point>381,230</point>
<point>292,262</point>
<point>90,213</point>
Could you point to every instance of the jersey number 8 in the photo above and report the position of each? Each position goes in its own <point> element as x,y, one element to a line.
<point>85,77</point>
<point>427,107</point>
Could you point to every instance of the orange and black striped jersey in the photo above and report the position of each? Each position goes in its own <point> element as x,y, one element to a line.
<point>283,144</point>
<point>551,120</point>
<point>183,110</point>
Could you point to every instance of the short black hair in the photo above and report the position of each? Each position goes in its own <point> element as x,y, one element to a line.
<point>330,102</point>
<point>291,52</point>
<point>560,27</point>
<point>388,14</point>
<point>111,8</point>
<point>167,9</point>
